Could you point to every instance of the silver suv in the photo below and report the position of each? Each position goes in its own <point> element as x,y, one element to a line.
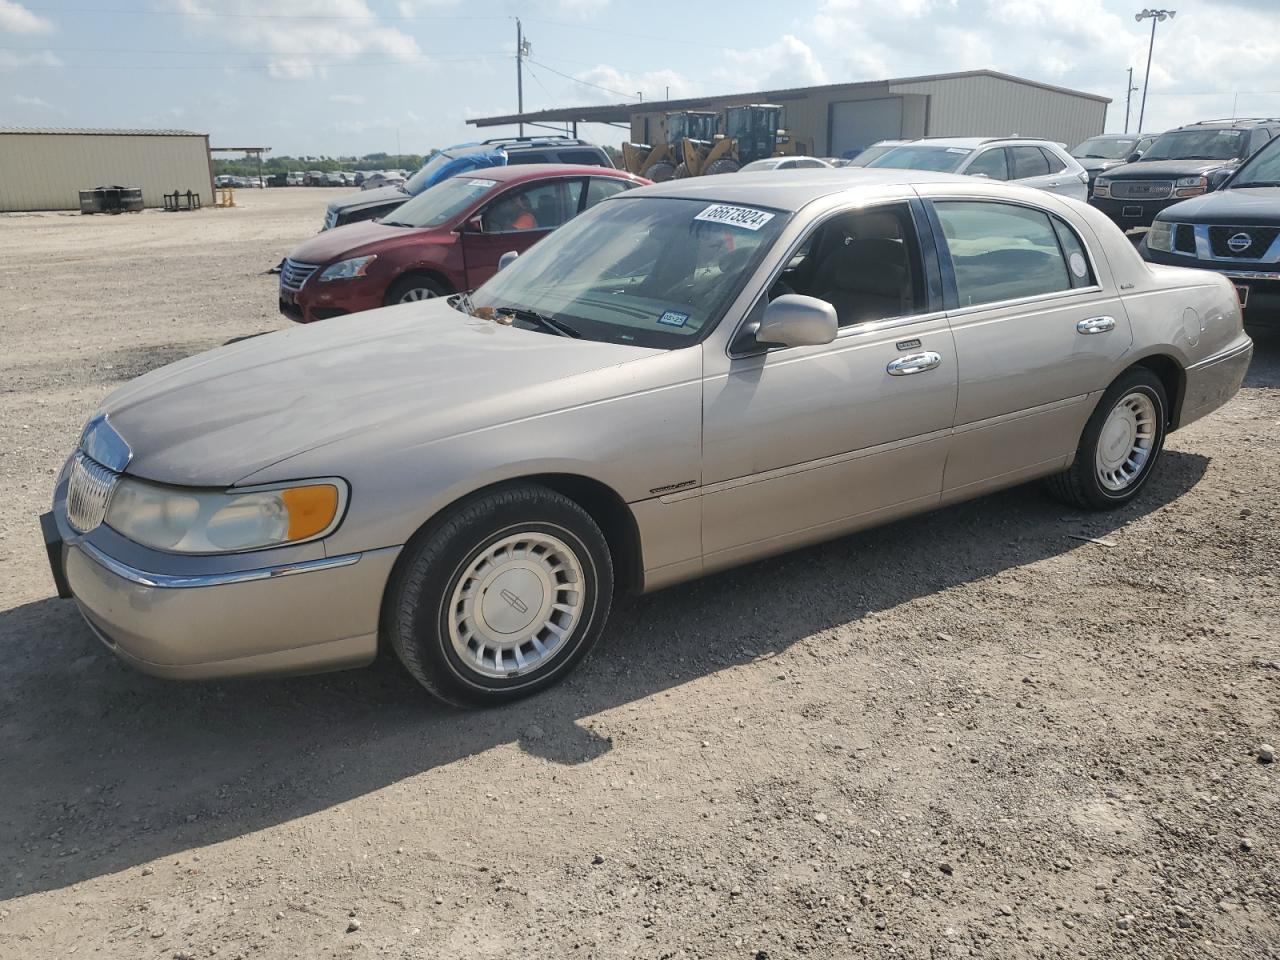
<point>1026,160</point>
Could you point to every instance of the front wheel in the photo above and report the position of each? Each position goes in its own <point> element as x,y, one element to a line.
<point>501,599</point>
<point>1120,445</point>
<point>414,288</point>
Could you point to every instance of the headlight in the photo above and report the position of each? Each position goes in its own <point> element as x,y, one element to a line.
<point>1160,237</point>
<point>1190,186</point>
<point>347,269</point>
<point>186,520</point>
<point>1102,187</point>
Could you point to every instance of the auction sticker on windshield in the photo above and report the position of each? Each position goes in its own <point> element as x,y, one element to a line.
<point>746,218</point>
<point>482,183</point>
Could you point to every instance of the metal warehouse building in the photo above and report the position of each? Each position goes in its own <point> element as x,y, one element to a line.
<point>45,169</point>
<point>842,118</point>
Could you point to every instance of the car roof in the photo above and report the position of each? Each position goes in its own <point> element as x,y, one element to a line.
<point>540,171</point>
<point>795,190</point>
<point>1227,124</point>
<point>972,143</point>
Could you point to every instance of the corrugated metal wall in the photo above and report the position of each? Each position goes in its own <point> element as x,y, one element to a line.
<point>958,106</point>
<point>990,106</point>
<point>44,171</point>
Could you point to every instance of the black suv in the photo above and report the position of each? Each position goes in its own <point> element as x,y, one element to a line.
<point>371,204</point>
<point>1234,231</point>
<point>1182,163</point>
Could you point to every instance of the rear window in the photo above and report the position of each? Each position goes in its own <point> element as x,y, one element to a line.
<point>527,157</point>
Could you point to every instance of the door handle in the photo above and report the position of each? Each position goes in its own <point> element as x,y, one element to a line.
<point>1096,325</point>
<point>914,363</point>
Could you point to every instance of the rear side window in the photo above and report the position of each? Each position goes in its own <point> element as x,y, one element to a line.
<point>1079,272</point>
<point>599,188</point>
<point>525,157</point>
<point>1028,162</point>
<point>588,157</point>
<point>991,163</point>
<point>1055,162</point>
<point>1002,252</point>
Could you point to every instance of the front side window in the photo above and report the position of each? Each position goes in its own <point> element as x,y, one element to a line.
<point>543,206</point>
<point>1028,162</point>
<point>649,271</point>
<point>990,163</point>
<point>1002,252</point>
<point>865,263</point>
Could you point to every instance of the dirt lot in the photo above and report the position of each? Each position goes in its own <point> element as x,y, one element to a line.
<point>966,734</point>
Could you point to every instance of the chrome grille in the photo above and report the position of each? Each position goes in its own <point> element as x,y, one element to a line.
<point>88,492</point>
<point>294,274</point>
<point>1142,189</point>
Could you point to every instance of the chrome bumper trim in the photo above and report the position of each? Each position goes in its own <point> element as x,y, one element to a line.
<point>166,581</point>
<point>1228,354</point>
<point>1273,275</point>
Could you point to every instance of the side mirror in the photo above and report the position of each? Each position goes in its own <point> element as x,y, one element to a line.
<point>1218,177</point>
<point>507,259</point>
<point>475,224</point>
<point>797,321</point>
<point>1133,157</point>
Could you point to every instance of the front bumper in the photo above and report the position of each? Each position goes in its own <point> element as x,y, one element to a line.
<point>320,301</point>
<point>1131,214</point>
<point>300,617</point>
<point>1215,380</point>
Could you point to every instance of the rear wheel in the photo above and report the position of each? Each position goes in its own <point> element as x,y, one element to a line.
<point>503,598</point>
<point>1120,445</point>
<point>723,165</point>
<point>660,171</point>
<point>413,288</point>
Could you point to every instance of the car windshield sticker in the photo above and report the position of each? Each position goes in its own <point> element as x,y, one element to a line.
<point>1078,266</point>
<point>957,150</point>
<point>673,318</point>
<point>482,183</point>
<point>744,217</point>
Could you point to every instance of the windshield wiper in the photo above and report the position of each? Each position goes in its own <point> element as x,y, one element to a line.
<point>541,320</point>
<point>462,301</point>
<point>394,223</point>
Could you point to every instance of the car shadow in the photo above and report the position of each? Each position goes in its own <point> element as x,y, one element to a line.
<point>106,768</point>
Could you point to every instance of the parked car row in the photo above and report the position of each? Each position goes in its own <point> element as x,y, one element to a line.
<point>683,377</point>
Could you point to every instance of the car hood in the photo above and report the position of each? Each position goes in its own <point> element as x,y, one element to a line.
<point>334,244</point>
<point>1094,164</point>
<point>1165,169</point>
<point>216,418</point>
<point>369,198</point>
<point>1235,206</point>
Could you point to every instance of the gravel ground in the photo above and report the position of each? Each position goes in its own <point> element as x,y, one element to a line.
<point>968,734</point>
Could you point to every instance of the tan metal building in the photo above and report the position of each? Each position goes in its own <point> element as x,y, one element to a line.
<point>842,118</point>
<point>45,169</point>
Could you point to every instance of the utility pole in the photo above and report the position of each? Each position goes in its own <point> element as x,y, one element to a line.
<point>1155,16</point>
<point>523,49</point>
<point>1128,97</point>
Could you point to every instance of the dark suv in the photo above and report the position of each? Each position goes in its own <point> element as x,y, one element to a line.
<point>1182,163</point>
<point>1234,231</point>
<point>371,204</point>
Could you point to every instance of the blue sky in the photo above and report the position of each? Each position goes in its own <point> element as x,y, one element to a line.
<point>346,76</point>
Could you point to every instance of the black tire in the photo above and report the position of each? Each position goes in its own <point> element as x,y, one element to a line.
<point>425,285</point>
<point>723,165</point>
<point>682,171</point>
<point>420,603</point>
<point>660,171</point>
<point>1080,485</point>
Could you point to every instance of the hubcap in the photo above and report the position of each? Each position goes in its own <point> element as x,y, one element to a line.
<point>516,605</point>
<point>1126,442</point>
<point>417,293</point>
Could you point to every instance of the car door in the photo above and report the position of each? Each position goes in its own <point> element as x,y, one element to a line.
<point>515,220</point>
<point>1038,331</point>
<point>801,444</point>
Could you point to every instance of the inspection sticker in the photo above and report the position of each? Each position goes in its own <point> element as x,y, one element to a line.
<point>673,319</point>
<point>482,183</point>
<point>728,214</point>
<point>1078,266</point>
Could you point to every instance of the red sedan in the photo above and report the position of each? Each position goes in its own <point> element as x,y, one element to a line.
<point>447,239</point>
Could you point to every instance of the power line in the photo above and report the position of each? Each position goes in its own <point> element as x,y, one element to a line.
<point>616,93</point>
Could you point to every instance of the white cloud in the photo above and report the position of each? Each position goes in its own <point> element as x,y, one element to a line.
<point>789,62</point>
<point>329,31</point>
<point>24,101</point>
<point>15,18</point>
<point>605,84</point>
<point>41,58</point>
<point>353,98</point>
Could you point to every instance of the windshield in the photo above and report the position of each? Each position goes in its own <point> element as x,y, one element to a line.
<point>1106,148</point>
<point>872,153</point>
<point>919,157</point>
<point>1197,145</point>
<point>649,271</point>
<point>1263,168</point>
<point>441,203</point>
<point>418,182</point>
